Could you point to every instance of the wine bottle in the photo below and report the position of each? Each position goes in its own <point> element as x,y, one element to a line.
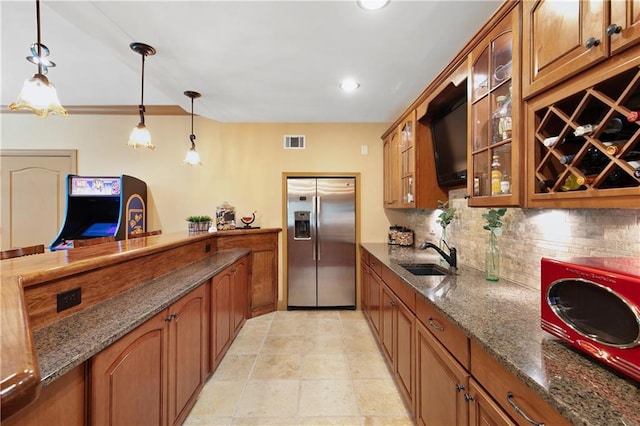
<point>567,159</point>
<point>567,140</point>
<point>613,126</point>
<point>571,183</point>
<point>618,178</point>
<point>614,147</point>
<point>635,164</point>
<point>546,185</point>
<point>496,175</point>
<point>593,161</point>
<point>633,116</point>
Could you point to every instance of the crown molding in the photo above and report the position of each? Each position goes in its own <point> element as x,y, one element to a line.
<point>112,110</point>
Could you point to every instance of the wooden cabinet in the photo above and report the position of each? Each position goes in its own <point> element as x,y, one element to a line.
<point>600,168</point>
<point>375,302</point>
<point>61,403</point>
<point>152,375</point>
<point>563,38</point>
<point>391,169</point>
<point>483,410</point>
<point>227,311</point>
<point>624,27</point>
<point>188,352</point>
<point>263,271</point>
<point>513,396</point>
<point>441,383</point>
<point>495,152</point>
<point>407,131</point>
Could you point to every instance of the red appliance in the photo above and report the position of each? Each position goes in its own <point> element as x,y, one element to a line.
<point>593,303</point>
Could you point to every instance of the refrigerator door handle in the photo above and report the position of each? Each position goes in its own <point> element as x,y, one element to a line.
<point>317,244</point>
<point>314,230</point>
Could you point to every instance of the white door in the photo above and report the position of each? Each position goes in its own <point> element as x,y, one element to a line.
<point>33,187</point>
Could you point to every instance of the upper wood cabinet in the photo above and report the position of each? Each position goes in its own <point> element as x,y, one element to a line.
<point>495,155</point>
<point>564,37</point>
<point>625,24</point>
<point>407,131</point>
<point>391,166</point>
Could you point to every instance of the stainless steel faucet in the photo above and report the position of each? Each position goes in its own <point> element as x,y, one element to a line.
<point>451,258</point>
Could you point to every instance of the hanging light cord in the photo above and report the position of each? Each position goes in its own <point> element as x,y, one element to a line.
<point>192,137</point>
<point>38,32</point>
<point>141,107</point>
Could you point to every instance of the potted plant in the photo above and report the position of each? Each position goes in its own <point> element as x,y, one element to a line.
<point>199,223</point>
<point>492,256</point>
<point>444,219</point>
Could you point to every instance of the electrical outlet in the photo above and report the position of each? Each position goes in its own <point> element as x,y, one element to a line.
<point>207,248</point>
<point>69,299</point>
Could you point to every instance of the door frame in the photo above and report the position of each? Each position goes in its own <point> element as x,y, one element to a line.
<point>283,290</point>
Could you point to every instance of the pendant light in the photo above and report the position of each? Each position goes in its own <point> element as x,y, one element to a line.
<point>193,157</point>
<point>37,94</point>
<point>140,136</point>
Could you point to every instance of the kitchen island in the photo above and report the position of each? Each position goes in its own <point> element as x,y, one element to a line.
<point>503,319</point>
<point>122,284</point>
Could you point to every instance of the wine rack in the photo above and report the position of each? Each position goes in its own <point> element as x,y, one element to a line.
<point>585,145</point>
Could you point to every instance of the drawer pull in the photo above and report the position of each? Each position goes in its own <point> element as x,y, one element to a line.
<point>613,29</point>
<point>433,324</point>
<point>519,410</point>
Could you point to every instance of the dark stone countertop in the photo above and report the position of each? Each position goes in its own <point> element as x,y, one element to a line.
<point>504,319</point>
<point>63,345</point>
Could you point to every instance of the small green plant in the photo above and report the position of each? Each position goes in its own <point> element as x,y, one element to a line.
<point>446,216</point>
<point>494,218</point>
<point>203,218</point>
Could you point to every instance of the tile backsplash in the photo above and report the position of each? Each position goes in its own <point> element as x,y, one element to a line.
<point>528,235</point>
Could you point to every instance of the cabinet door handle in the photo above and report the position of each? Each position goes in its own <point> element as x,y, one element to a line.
<point>591,41</point>
<point>468,397</point>
<point>613,29</point>
<point>170,317</point>
<point>392,303</point>
<point>459,387</point>
<point>520,411</point>
<point>433,324</point>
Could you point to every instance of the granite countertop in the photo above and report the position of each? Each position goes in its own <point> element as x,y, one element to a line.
<point>504,319</point>
<point>63,345</point>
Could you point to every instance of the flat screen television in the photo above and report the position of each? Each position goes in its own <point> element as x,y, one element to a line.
<point>449,133</point>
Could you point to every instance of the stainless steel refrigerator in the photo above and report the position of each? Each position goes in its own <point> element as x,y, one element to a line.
<point>321,242</point>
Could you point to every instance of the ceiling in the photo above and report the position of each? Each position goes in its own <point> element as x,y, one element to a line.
<point>259,61</point>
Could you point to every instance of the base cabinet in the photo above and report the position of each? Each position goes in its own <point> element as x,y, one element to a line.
<point>483,411</point>
<point>228,305</point>
<point>152,375</point>
<point>263,274</point>
<point>441,383</point>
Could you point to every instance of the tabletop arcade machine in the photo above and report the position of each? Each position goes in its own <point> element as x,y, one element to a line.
<point>101,207</point>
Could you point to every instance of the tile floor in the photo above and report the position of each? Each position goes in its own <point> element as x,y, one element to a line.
<point>302,368</point>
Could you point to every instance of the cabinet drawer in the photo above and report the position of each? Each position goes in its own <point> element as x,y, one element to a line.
<point>448,334</point>
<point>375,266</point>
<point>502,384</point>
<point>401,289</point>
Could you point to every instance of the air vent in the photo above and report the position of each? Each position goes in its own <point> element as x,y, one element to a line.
<point>294,142</point>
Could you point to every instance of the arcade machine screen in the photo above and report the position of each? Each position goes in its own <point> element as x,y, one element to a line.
<point>100,230</point>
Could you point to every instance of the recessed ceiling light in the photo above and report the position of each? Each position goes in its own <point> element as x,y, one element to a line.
<point>372,4</point>
<point>349,85</point>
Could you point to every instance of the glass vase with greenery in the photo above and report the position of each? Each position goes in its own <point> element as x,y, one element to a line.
<point>492,256</point>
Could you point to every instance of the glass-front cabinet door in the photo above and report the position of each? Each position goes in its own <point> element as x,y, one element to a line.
<point>407,154</point>
<point>494,150</point>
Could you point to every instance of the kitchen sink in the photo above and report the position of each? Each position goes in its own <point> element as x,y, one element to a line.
<point>425,269</point>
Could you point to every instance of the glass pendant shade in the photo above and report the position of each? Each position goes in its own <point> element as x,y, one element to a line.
<point>140,137</point>
<point>193,157</point>
<point>39,96</point>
